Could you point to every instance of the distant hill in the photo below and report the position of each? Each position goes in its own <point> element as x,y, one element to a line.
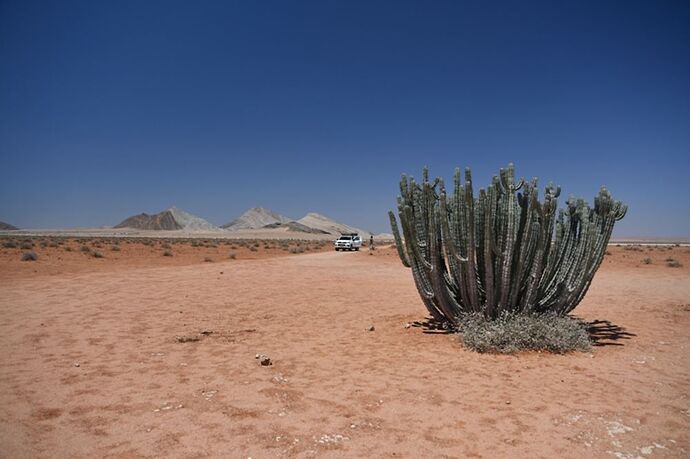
<point>328,225</point>
<point>7,227</point>
<point>258,218</point>
<point>255,218</point>
<point>169,220</point>
<point>296,227</point>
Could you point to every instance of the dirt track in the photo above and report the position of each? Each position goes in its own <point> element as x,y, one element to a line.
<point>335,389</point>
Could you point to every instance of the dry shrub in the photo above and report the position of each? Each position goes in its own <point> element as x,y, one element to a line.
<point>647,261</point>
<point>671,263</point>
<point>115,248</point>
<point>511,333</point>
<point>167,253</point>
<point>97,254</point>
<point>208,260</point>
<point>29,256</point>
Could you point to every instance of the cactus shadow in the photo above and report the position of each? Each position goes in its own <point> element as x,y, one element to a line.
<point>432,326</point>
<point>606,333</point>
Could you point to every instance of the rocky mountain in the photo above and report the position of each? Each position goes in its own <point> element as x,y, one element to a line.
<point>169,220</point>
<point>7,227</point>
<point>296,227</point>
<point>328,225</point>
<point>255,218</point>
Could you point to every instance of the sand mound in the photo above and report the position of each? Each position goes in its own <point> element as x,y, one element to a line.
<point>254,218</point>
<point>7,227</point>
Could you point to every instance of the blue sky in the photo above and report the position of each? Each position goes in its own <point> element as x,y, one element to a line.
<point>108,109</point>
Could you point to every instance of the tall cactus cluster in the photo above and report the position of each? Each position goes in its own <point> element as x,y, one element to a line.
<point>503,250</point>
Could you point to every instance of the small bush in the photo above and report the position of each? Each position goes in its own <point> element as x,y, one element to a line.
<point>85,248</point>
<point>115,248</point>
<point>9,245</point>
<point>253,249</point>
<point>233,255</point>
<point>97,254</point>
<point>26,246</point>
<point>167,253</point>
<point>29,256</point>
<point>166,246</point>
<point>208,260</point>
<point>673,263</point>
<point>647,261</point>
<point>511,333</point>
<point>68,248</point>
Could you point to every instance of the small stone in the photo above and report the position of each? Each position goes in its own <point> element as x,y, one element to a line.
<point>507,402</point>
<point>264,360</point>
<point>407,325</point>
<point>76,364</point>
<point>372,328</point>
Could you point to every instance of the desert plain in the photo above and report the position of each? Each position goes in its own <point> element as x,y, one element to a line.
<point>137,354</point>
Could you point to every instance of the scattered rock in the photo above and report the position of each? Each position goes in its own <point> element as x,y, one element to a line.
<point>408,325</point>
<point>76,364</point>
<point>264,360</point>
<point>206,332</point>
<point>187,339</point>
<point>372,328</point>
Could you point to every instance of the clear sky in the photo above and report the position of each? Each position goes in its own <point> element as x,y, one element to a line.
<point>108,109</point>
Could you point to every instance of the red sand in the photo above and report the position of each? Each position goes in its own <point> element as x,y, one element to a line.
<point>91,364</point>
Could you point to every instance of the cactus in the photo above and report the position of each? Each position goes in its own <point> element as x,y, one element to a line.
<point>503,250</point>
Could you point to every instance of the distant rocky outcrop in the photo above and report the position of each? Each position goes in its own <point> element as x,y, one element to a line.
<point>296,227</point>
<point>7,227</point>
<point>258,218</point>
<point>328,225</point>
<point>169,220</point>
<point>255,218</point>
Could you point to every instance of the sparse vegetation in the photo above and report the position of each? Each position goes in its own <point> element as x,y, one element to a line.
<point>671,263</point>
<point>29,256</point>
<point>85,249</point>
<point>647,261</point>
<point>97,254</point>
<point>115,248</point>
<point>232,255</point>
<point>208,260</point>
<point>26,245</point>
<point>9,244</point>
<point>496,252</point>
<point>167,253</point>
<point>511,332</point>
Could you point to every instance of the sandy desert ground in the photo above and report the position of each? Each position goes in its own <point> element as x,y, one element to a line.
<point>140,355</point>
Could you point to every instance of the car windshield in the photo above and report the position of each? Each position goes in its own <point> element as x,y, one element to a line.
<point>345,238</point>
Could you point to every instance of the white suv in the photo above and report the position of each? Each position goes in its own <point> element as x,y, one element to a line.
<point>348,242</point>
